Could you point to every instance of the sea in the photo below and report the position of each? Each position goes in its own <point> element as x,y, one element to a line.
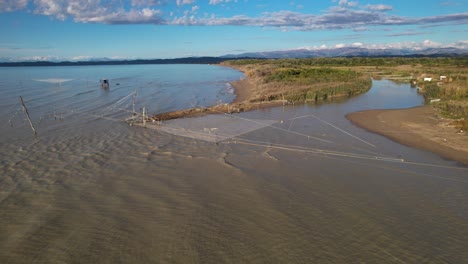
<point>306,186</point>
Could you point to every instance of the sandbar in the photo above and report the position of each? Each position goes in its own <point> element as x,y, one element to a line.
<point>418,127</point>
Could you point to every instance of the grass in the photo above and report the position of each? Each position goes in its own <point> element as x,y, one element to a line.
<point>318,79</point>
<point>299,80</point>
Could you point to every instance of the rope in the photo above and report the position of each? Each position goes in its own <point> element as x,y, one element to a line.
<point>338,153</point>
<point>349,134</point>
<point>409,172</point>
<point>278,128</point>
<point>315,151</point>
<point>119,101</point>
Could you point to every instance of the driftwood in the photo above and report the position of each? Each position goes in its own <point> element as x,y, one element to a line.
<point>25,111</point>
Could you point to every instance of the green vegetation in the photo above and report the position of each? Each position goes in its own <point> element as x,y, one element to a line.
<point>453,109</point>
<point>317,79</point>
<point>311,75</point>
<point>452,92</point>
<point>432,90</point>
<point>298,80</point>
<point>358,61</point>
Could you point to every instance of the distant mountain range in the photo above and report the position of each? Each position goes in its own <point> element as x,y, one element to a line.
<point>352,52</point>
<point>296,53</point>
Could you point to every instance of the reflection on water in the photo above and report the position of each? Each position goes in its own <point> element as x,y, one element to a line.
<point>95,190</point>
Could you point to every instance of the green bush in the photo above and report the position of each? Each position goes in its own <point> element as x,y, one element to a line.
<point>432,90</point>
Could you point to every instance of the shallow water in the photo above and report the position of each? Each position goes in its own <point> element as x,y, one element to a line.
<point>95,190</point>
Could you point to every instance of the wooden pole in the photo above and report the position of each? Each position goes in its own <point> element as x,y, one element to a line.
<point>134,95</point>
<point>25,111</point>
<point>144,116</point>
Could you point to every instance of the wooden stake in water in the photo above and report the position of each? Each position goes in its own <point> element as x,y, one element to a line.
<point>134,95</point>
<point>25,111</point>
<point>144,116</point>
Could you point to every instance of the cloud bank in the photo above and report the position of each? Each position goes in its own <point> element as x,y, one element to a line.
<point>12,5</point>
<point>410,45</point>
<point>343,15</point>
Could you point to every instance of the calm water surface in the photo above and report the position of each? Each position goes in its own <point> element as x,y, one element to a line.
<point>91,189</point>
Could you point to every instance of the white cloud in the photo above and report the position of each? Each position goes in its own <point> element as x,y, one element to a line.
<point>184,2</point>
<point>92,11</point>
<point>347,3</point>
<point>51,8</point>
<point>449,3</point>
<point>144,16</point>
<point>39,58</point>
<point>81,58</point>
<point>217,2</point>
<point>430,43</point>
<point>344,15</point>
<point>462,44</point>
<point>331,20</point>
<point>148,3</point>
<point>12,5</point>
<point>379,7</point>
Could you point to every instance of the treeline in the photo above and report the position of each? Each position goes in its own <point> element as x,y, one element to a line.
<point>460,61</point>
<point>189,60</point>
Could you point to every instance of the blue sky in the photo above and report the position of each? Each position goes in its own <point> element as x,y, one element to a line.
<point>83,29</point>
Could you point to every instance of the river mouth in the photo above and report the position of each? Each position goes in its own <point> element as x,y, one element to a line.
<point>90,189</point>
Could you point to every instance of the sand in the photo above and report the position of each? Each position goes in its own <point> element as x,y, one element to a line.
<point>243,90</point>
<point>418,127</point>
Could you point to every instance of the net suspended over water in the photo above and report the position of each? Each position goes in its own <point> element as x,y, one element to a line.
<point>212,128</point>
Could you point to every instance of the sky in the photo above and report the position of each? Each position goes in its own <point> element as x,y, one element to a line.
<point>151,29</point>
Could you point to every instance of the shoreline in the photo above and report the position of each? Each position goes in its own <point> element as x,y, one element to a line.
<point>243,91</point>
<point>245,100</point>
<point>418,127</point>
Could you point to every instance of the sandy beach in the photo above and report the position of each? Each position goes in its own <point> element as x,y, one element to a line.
<point>418,127</point>
<point>243,90</point>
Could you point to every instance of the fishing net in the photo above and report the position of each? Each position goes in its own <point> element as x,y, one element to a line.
<point>212,128</point>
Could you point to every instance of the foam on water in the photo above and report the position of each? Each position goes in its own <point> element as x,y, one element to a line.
<point>53,80</point>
